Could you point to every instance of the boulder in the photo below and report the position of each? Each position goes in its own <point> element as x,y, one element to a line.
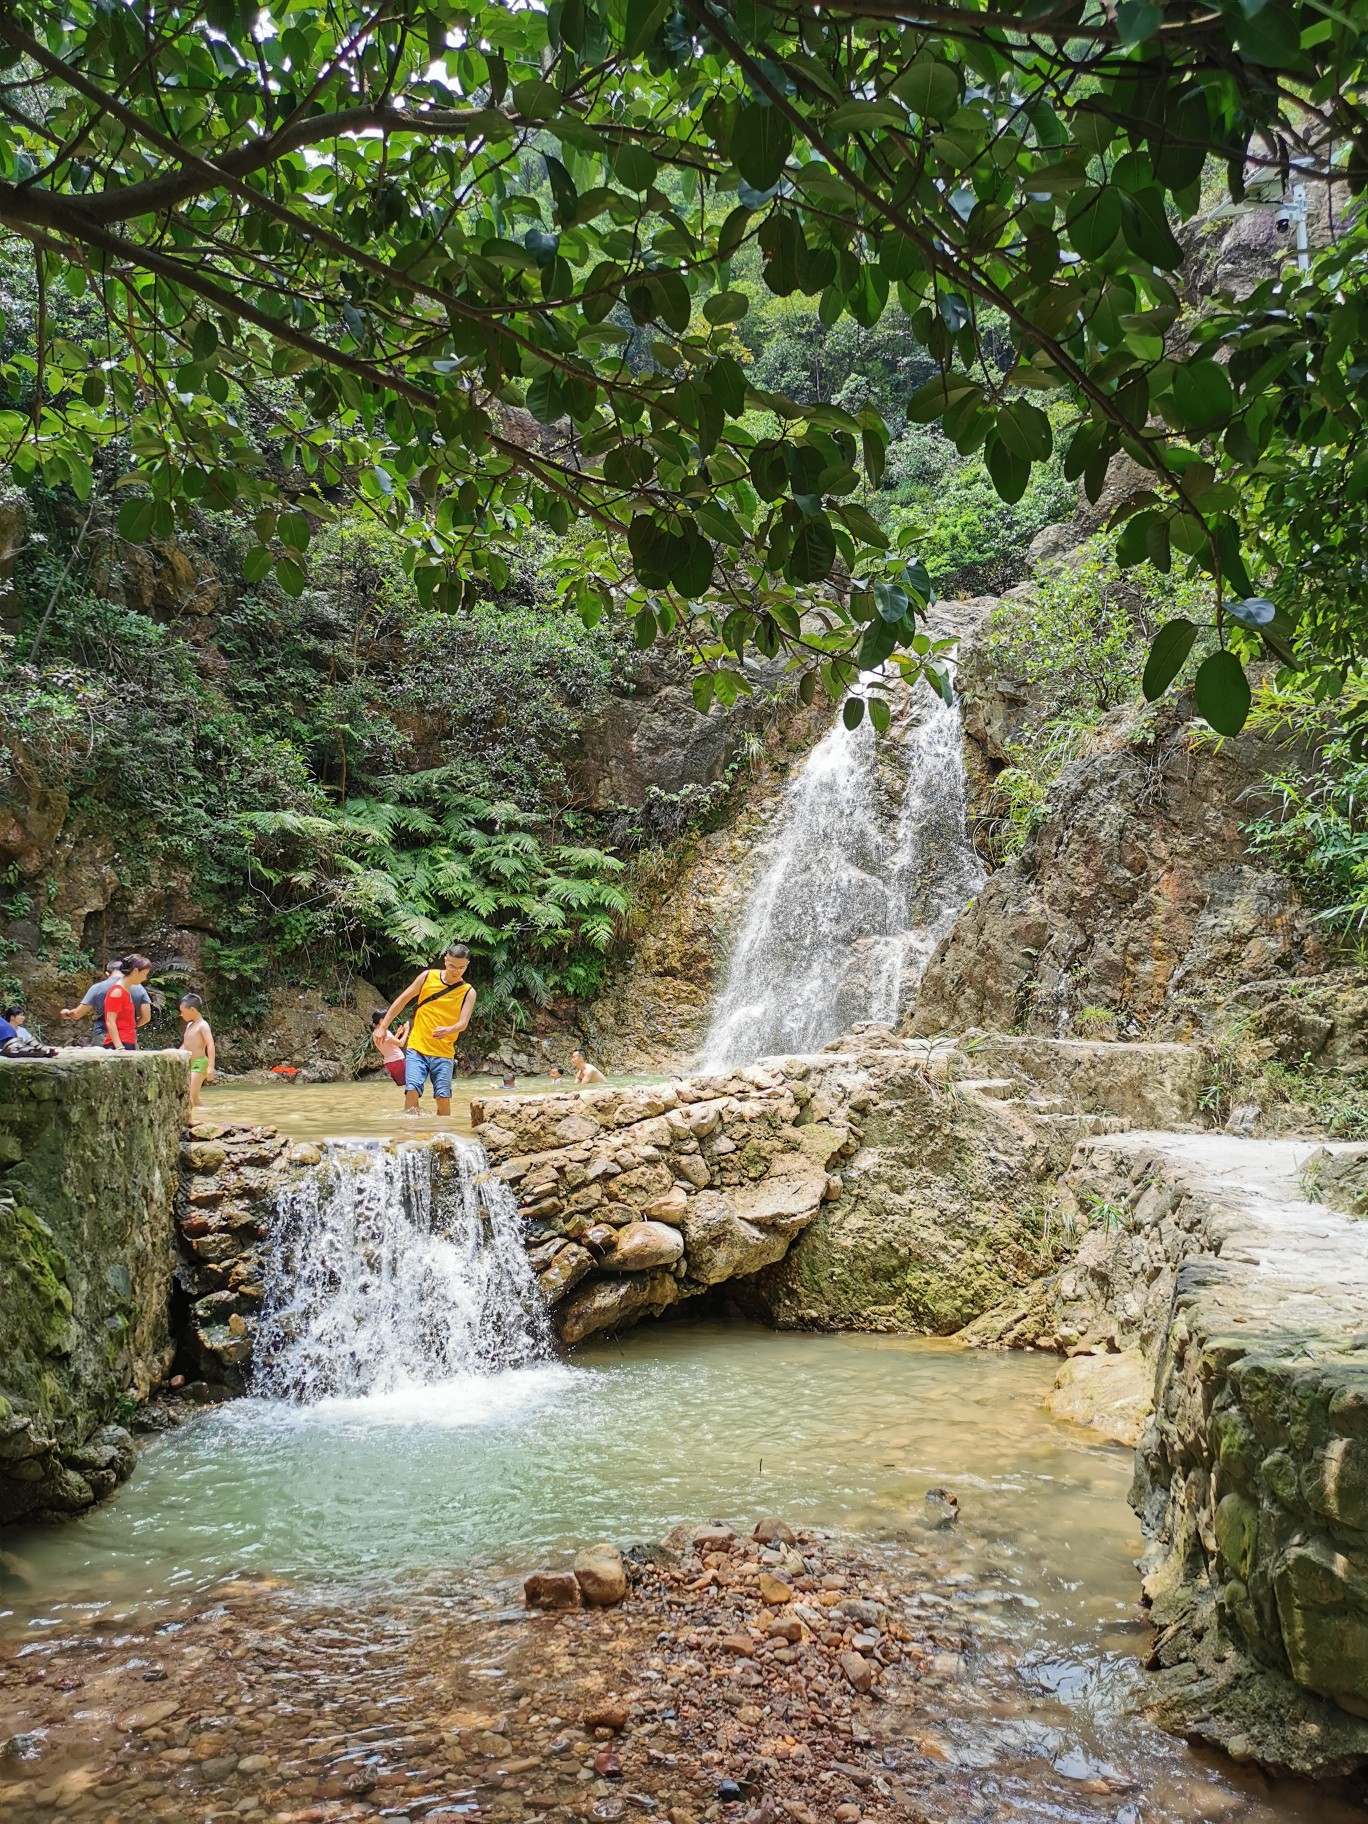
<point>642,1245</point>
<point>771,1531</point>
<point>552,1590</point>
<point>608,1303</point>
<point>568,1267</point>
<point>601,1575</point>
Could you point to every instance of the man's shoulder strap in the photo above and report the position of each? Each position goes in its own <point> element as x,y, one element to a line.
<point>446,988</point>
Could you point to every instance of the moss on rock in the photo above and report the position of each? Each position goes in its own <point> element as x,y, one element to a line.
<point>88,1150</point>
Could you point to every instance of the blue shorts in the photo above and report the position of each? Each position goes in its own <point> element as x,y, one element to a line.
<point>419,1068</point>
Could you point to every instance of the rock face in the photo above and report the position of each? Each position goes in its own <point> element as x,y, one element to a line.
<point>1200,1257</point>
<point>881,1184</point>
<point>638,1198</point>
<point>87,1250</point>
<point>1137,895</point>
<point>231,1175</point>
<point>943,1212</point>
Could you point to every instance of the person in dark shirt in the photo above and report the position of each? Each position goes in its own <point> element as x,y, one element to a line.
<point>132,972</point>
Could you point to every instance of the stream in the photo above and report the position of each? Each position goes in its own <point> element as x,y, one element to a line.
<point>396,1510</point>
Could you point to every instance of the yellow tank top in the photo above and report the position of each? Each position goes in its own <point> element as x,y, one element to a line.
<point>439,1004</point>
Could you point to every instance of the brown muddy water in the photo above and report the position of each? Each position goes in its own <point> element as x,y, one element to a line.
<point>371,1108</point>
<point>311,1612</point>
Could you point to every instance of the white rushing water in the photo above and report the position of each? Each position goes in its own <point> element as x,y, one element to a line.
<point>853,899</point>
<point>396,1270</point>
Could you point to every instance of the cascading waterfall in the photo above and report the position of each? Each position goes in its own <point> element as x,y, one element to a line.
<point>392,1268</point>
<point>848,911</point>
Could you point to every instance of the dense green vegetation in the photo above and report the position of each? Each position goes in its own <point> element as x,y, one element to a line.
<point>348,775</point>
<point>481,269</point>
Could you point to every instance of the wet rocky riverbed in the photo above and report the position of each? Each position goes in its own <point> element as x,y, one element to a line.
<point>805,1678</point>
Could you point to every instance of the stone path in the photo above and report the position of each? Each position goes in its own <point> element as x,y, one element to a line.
<point>1305,1265</point>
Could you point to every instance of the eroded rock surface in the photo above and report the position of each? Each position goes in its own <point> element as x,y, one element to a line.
<point>88,1147</point>
<point>638,1198</point>
<point>881,1184</point>
<point>231,1176</point>
<point>1137,895</point>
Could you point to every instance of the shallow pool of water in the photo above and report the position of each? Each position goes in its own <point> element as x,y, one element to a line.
<point>371,1108</point>
<point>677,1422</point>
<point>403,1498</point>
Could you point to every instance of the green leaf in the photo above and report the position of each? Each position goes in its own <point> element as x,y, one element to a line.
<point>929,88</point>
<point>726,307</point>
<point>1094,228</point>
<point>852,711</point>
<point>1202,395</point>
<point>727,383</point>
<point>537,100</point>
<point>633,167</point>
<point>136,518</point>
<point>1010,472</point>
<point>644,20</point>
<point>1254,611</point>
<point>703,692</point>
<point>813,552</point>
<point>545,399</point>
<point>644,629</point>
<point>256,564</point>
<point>879,715</point>
<point>1167,655</point>
<point>874,451</point>
<point>863,524</point>
<point>760,144</point>
<point>1222,691</point>
<point>290,575</point>
<point>864,116</point>
<point>718,523</point>
<point>891,602</point>
<point>1144,223</point>
<point>1137,20</point>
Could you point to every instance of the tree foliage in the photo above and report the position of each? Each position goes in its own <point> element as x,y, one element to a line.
<point>413,248</point>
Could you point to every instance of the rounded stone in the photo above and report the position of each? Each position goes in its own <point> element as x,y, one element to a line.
<point>641,1246</point>
<point>601,1575</point>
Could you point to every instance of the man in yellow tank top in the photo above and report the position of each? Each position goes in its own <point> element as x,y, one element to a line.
<point>445,1002</point>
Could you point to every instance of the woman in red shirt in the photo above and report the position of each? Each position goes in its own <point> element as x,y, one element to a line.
<point>121,1019</point>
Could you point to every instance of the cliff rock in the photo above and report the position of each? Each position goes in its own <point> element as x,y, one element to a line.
<point>1136,896</point>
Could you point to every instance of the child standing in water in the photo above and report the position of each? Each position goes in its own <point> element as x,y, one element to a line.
<point>389,1044</point>
<point>198,1041</point>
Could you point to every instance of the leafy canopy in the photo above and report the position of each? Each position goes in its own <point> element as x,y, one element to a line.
<point>410,247</point>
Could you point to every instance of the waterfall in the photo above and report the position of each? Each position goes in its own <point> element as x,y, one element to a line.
<point>394,1267</point>
<point>853,900</point>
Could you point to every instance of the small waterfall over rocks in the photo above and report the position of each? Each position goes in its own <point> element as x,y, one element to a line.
<point>853,901</point>
<point>393,1267</point>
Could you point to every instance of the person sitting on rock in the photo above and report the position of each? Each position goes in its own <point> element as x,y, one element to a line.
<point>390,1045</point>
<point>445,1002</point>
<point>585,1072</point>
<point>18,1019</point>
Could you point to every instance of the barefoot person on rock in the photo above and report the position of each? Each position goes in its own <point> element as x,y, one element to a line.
<point>444,1004</point>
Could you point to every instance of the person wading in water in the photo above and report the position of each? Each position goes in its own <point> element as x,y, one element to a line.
<point>445,1002</point>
